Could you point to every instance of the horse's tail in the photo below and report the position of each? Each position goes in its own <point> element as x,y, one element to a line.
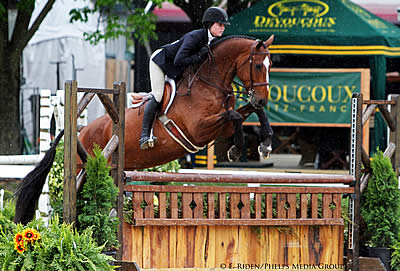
<point>29,191</point>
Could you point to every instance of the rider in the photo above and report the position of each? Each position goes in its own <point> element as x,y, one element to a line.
<point>173,58</point>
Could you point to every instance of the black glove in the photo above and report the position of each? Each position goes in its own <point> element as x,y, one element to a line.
<point>203,53</point>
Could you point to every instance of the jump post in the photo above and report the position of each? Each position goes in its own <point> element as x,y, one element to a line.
<point>206,226</point>
<point>72,147</point>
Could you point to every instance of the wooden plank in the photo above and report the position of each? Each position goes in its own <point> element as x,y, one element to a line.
<point>237,189</point>
<point>273,240</point>
<point>326,210</point>
<point>70,151</point>
<point>174,205</point>
<point>227,242</point>
<point>109,106</point>
<point>293,245</point>
<point>303,206</point>
<point>314,205</point>
<point>314,245</point>
<point>190,233</point>
<point>268,206</point>
<point>162,205</point>
<point>222,205</point>
<point>146,247</point>
<point>186,200</point>
<point>337,199</point>
<point>237,222</point>
<point>198,211</point>
<point>245,211</point>
<point>281,201</point>
<point>291,199</point>
<point>159,246</point>
<point>327,242</point>
<point>173,236</point>
<point>199,249</point>
<point>118,156</point>
<point>257,205</point>
<point>137,245</point>
<point>235,211</point>
<point>210,205</point>
<point>391,123</point>
<point>149,209</point>
<point>137,198</point>
<point>128,242</point>
<point>210,249</point>
<point>181,247</point>
<point>304,237</point>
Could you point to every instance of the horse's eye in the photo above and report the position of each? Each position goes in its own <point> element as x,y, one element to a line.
<point>258,66</point>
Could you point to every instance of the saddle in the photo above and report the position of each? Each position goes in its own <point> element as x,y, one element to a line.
<point>139,99</point>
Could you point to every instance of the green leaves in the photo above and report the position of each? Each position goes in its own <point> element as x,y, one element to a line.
<point>60,248</point>
<point>120,18</point>
<point>97,198</point>
<point>381,203</point>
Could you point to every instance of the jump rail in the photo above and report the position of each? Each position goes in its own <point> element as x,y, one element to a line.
<point>237,205</point>
<point>215,219</point>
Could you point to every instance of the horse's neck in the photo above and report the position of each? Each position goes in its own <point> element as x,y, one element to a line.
<point>226,55</point>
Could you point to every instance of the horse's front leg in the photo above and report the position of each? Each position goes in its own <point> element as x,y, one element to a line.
<point>265,147</point>
<point>235,151</point>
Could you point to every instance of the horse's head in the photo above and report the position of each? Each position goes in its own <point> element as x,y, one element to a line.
<point>253,68</point>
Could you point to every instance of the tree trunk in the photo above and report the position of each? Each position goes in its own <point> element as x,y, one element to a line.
<point>10,142</point>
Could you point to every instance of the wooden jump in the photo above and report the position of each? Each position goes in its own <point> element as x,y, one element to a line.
<point>204,226</point>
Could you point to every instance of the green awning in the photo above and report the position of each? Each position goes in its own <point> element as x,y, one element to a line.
<point>325,27</point>
<point>318,27</point>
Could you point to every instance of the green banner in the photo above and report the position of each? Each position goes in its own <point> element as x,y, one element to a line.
<point>301,98</point>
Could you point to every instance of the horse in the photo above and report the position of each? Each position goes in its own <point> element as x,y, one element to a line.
<point>203,109</point>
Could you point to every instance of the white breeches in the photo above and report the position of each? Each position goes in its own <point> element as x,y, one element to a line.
<point>157,78</point>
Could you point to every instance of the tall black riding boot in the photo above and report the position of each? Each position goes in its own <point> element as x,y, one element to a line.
<point>150,111</point>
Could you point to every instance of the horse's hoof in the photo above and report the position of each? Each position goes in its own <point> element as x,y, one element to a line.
<point>234,154</point>
<point>265,151</point>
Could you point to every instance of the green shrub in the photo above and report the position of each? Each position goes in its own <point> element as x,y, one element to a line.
<point>96,200</point>
<point>381,204</point>
<point>57,247</point>
<point>7,216</point>
<point>56,181</point>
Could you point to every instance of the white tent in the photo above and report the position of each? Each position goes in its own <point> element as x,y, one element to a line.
<point>58,40</point>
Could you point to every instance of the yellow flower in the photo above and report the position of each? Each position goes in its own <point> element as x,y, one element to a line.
<point>18,238</point>
<point>20,248</point>
<point>31,234</point>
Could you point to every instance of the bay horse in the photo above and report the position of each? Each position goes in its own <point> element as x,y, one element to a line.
<point>203,110</point>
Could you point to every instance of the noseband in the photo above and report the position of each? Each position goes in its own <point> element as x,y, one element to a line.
<point>250,91</point>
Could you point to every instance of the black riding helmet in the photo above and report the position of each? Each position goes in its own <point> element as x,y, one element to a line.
<point>215,15</point>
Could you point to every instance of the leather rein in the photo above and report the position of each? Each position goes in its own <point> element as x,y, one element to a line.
<point>228,92</point>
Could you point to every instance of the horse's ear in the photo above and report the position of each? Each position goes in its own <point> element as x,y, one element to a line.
<point>269,40</point>
<point>259,44</point>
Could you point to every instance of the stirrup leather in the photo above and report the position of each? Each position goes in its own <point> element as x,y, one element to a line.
<point>177,134</point>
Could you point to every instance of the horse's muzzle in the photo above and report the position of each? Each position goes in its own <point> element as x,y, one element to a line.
<point>257,103</point>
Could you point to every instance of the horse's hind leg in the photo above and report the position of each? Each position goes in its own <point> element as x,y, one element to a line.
<point>235,151</point>
<point>265,147</point>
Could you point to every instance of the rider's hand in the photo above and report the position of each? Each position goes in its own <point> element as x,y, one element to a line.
<point>203,53</point>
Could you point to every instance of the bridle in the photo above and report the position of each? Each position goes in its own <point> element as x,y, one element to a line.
<point>250,91</point>
<point>228,93</point>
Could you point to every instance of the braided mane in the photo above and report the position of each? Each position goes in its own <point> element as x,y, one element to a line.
<point>220,41</point>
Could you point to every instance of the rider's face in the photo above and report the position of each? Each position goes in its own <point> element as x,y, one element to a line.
<point>217,29</point>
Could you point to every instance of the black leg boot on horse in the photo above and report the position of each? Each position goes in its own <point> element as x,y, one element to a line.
<point>150,111</point>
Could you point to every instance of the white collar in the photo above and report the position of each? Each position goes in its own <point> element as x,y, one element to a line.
<point>210,36</point>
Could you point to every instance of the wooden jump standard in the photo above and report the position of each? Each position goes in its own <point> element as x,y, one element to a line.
<point>114,148</point>
<point>208,226</point>
<point>362,110</point>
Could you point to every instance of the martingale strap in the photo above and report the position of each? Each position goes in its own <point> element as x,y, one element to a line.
<point>177,135</point>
